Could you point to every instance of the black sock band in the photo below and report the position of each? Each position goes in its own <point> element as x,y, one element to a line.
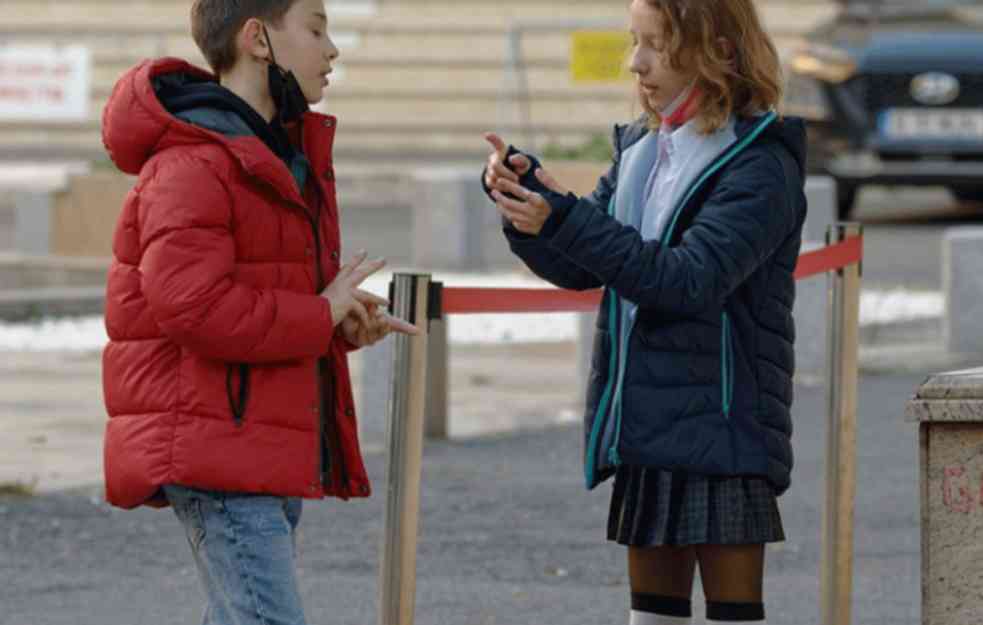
<point>661,604</point>
<point>725,611</point>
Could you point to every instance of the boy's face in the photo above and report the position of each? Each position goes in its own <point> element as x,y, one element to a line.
<point>658,83</point>
<point>302,45</point>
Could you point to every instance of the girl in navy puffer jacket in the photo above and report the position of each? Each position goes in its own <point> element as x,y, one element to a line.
<point>694,234</point>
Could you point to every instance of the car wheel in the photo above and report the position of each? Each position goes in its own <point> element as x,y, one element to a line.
<point>967,194</point>
<point>846,197</point>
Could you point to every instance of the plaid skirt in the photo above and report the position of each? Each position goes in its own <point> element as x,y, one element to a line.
<point>652,507</point>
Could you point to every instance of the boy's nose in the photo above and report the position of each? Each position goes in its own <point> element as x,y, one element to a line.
<point>332,52</point>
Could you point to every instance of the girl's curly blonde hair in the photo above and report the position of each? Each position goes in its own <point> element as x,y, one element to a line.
<point>745,80</point>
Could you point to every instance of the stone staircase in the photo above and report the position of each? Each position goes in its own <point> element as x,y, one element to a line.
<point>418,80</point>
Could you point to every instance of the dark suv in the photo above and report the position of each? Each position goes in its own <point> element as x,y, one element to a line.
<point>893,91</point>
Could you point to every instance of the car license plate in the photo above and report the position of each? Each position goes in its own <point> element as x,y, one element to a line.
<point>948,124</point>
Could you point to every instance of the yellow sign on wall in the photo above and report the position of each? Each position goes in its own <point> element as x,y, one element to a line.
<point>599,56</point>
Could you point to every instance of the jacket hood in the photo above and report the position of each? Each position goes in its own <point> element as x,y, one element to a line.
<point>169,102</point>
<point>788,131</point>
<point>136,125</point>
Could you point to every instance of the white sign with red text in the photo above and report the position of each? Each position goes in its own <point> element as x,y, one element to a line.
<point>45,83</point>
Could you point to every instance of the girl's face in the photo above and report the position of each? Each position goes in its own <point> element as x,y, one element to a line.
<point>658,83</point>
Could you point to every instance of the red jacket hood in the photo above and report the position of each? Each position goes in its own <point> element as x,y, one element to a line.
<point>135,125</point>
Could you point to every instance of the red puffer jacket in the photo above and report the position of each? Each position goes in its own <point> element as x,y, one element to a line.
<point>216,326</point>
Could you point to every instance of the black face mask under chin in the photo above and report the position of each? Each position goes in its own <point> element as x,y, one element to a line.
<point>287,95</point>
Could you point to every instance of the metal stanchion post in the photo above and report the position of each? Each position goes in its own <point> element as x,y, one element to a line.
<point>843,315</point>
<point>397,571</point>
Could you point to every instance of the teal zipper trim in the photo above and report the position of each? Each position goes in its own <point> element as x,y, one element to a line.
<point>613,455</point>
<point>602,406</point>
<point>769,118</point>
<point>726,365</point>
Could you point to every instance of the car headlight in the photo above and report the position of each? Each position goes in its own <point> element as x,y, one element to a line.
<point>824,63</point>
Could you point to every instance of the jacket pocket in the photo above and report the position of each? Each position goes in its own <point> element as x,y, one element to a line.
<point>237,400</point>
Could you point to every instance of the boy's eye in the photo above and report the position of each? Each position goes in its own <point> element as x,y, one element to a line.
<point>317,33</point>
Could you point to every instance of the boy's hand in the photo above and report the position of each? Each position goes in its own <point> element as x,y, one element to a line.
<point>496,170</point>
<point>344,293</point>
<point>381,324</point>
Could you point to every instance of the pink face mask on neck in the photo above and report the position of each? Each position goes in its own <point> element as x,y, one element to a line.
<point>684,108</point>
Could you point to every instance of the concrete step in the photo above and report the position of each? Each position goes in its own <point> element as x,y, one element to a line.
<point>372,143</point>
<point>175,13</point>
<point>563,107</point>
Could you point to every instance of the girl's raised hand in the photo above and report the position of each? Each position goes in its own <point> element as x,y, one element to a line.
<point>529,210</point>
<point>496,170</point>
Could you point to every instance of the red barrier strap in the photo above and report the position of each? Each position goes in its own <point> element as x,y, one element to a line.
<point>830,258</point>
<point>464,301</point>
<point>459,301</point>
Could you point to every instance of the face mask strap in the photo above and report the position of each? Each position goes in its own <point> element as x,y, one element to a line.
<point>269,44</point>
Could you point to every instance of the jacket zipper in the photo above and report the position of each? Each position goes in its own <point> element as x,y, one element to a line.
<point>329,439</point>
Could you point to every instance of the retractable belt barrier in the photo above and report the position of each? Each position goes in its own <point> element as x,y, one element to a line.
<point>464,301</point>
<point>419,300</point>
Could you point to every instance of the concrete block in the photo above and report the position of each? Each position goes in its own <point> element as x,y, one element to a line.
<point>821,197</point>
<point>949,410</point>
<point>811,321</point>
<point>455,226</point>
<point>32,222</point>
<point>962,258</point>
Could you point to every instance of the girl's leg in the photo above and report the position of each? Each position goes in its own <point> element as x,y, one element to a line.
<point>661,584</point>
<point>732,581</point>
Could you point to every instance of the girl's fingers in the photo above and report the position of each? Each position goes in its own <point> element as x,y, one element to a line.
<point>512,216</point>
<point>502,171</point>
<point>522,209</point>
<point>497,143</point>
<point>520,163</point>
<point>519,191</point>
<point>550,182</point>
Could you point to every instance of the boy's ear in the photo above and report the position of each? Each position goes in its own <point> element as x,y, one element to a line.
<point>252,41</point>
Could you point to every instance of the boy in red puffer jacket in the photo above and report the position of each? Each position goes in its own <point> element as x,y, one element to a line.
<point>229,314</point>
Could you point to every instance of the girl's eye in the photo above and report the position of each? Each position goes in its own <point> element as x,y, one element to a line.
<point>317,33</point>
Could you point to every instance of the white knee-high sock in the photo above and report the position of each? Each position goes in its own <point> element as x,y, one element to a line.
<point>649,618</point>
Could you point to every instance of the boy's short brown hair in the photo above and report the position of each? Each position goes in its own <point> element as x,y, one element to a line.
<point>216,23</point>
<point>748,83</point>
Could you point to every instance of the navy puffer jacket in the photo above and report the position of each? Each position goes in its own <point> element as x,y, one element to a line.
<point>702,380</point>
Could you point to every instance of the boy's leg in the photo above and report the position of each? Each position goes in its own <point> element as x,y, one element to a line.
<point>661,584</point>
<point>732,577</point>
<point>245,552</point>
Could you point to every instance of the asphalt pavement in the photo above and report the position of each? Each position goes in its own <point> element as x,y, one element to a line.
<point>508,536</point>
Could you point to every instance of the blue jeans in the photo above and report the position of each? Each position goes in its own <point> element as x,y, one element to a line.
<point>245,550</point>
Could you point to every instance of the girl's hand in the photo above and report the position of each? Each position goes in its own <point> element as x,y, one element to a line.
<point>496,170</point>
<point>531,210</point>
